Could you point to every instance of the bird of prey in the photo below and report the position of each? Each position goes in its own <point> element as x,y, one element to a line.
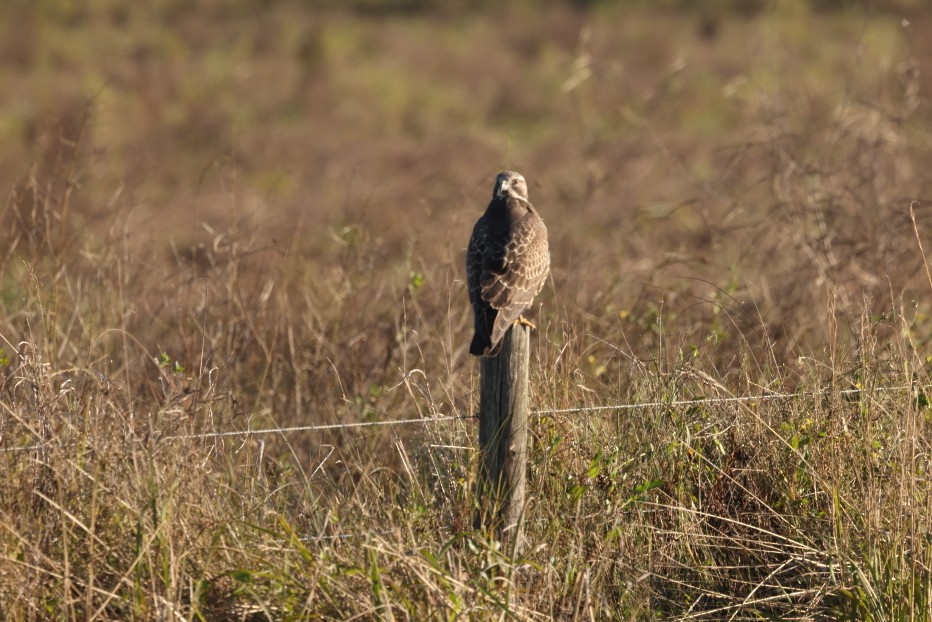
<point>507,262</point>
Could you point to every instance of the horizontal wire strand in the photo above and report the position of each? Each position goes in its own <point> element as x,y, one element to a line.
<point>555,411</point>
<point>428,420</point>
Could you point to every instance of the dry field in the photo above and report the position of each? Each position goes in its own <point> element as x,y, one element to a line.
<point>225,218</point>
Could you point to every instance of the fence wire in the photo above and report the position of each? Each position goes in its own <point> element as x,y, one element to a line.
<point>764,397</point>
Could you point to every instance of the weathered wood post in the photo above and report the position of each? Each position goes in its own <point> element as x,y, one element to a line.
<point>503,406</point>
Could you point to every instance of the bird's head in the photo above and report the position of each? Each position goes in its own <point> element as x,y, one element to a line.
<point>509,183</point>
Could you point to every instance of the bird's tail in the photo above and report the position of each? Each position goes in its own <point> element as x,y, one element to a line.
<point>481,344</point>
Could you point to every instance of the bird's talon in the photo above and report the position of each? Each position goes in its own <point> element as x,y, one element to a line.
<point>523,321</point>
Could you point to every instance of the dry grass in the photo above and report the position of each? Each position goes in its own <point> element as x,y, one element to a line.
<point>230,217</point>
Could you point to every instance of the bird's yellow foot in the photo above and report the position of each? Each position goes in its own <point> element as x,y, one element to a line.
<point>523,321</point>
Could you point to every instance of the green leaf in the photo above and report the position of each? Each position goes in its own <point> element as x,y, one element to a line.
<point>648,486</point>
<point>922,399</point>
<point>577,491</point>
<point>417,280</point>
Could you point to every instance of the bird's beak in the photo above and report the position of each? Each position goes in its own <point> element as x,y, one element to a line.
<point>501,188</point>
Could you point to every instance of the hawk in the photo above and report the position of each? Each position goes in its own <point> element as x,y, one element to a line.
<point>507,262</point>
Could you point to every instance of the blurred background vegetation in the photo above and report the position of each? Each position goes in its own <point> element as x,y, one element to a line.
<point>229,214</point>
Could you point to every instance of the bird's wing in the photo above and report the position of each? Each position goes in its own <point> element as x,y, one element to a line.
<point>526,263</point>
<point>476,253</point>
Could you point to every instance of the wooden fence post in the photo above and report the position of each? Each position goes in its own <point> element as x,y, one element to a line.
<point>503,407</point>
